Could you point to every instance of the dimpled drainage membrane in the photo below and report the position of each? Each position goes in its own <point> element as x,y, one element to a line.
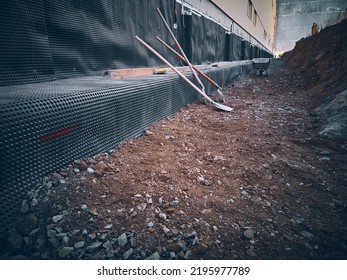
<point>46,125</point>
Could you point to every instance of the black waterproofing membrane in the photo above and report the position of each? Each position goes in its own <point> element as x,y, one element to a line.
<point>55,104</point>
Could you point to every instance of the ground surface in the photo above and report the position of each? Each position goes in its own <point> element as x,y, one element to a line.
<point>256,183</point>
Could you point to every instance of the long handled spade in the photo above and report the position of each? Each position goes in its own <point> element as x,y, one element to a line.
<point>181,50</point>
<point>219,88</point>
<point>215,104</point>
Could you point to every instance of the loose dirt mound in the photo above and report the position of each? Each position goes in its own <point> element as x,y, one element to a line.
<point>322,58</point>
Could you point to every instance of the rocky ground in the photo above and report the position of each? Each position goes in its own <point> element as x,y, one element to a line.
<point>256,183</point>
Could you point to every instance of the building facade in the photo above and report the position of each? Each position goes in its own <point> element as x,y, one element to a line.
<point>253,20</point>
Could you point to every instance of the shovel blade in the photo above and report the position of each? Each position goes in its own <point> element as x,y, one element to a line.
<point>222,107</point>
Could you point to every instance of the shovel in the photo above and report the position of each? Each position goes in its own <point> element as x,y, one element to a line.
<point>215,104</point>
<point>219,88</point>
<point>181,50</point>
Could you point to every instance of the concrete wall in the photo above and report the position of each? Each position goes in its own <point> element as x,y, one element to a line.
<point>295,19</point>
<point>233,15</point>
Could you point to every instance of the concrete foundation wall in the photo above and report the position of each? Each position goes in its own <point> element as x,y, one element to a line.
<point>295,19</point>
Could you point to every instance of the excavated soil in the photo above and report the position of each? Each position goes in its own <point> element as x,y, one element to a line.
<point>256,183</point>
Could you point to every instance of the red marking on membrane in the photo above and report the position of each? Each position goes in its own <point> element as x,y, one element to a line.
<point>58,133</point>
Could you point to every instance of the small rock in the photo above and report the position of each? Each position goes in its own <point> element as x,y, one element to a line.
<point>110,254</point>
<point>166,230</point>
<point>187,254</point>
<point>200,179</point>
<point>65,240</point>
<point>109,226</point>
<point>51,233</point>
<point>182,244</point>
<point>298,220</point>
<point>54,242</point>
<point>79,245</point>
<point>174,247</point>
<point>148,132</point>
<point>100,167</point>
<point>90,170</point>
<point>61,235</point>
<point>244,193</point>
<point>154,256</point>
<point>83,166</point>
<point>128,253</point>
<point>249,233</point>
<point>84,207</point>
<point>201,248</point>
<point>325,159</point>
<point>170,210</point>
<point>150,224</point>
<point>133,242</point>
<point>91,236</point>
<point>57,218</point>
<point>133,214</point>
<point>34,202</point>
<point>25,207</point>
<point>180,255</point>
<point>57,176</point>
<point>40,244</point>
<point>162,216</point>
<point>94,247</point>
<point>142,206</point>
<point>65,251</point>
<point>174,232</point>
<point>107,245</point>
<point>33,232</point>
<point>175,202</point>
<point>207,211</point>
<point>122,240</point>
<point>190,235</point>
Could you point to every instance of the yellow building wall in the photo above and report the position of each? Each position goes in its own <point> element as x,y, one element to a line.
<point>265,22</point>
